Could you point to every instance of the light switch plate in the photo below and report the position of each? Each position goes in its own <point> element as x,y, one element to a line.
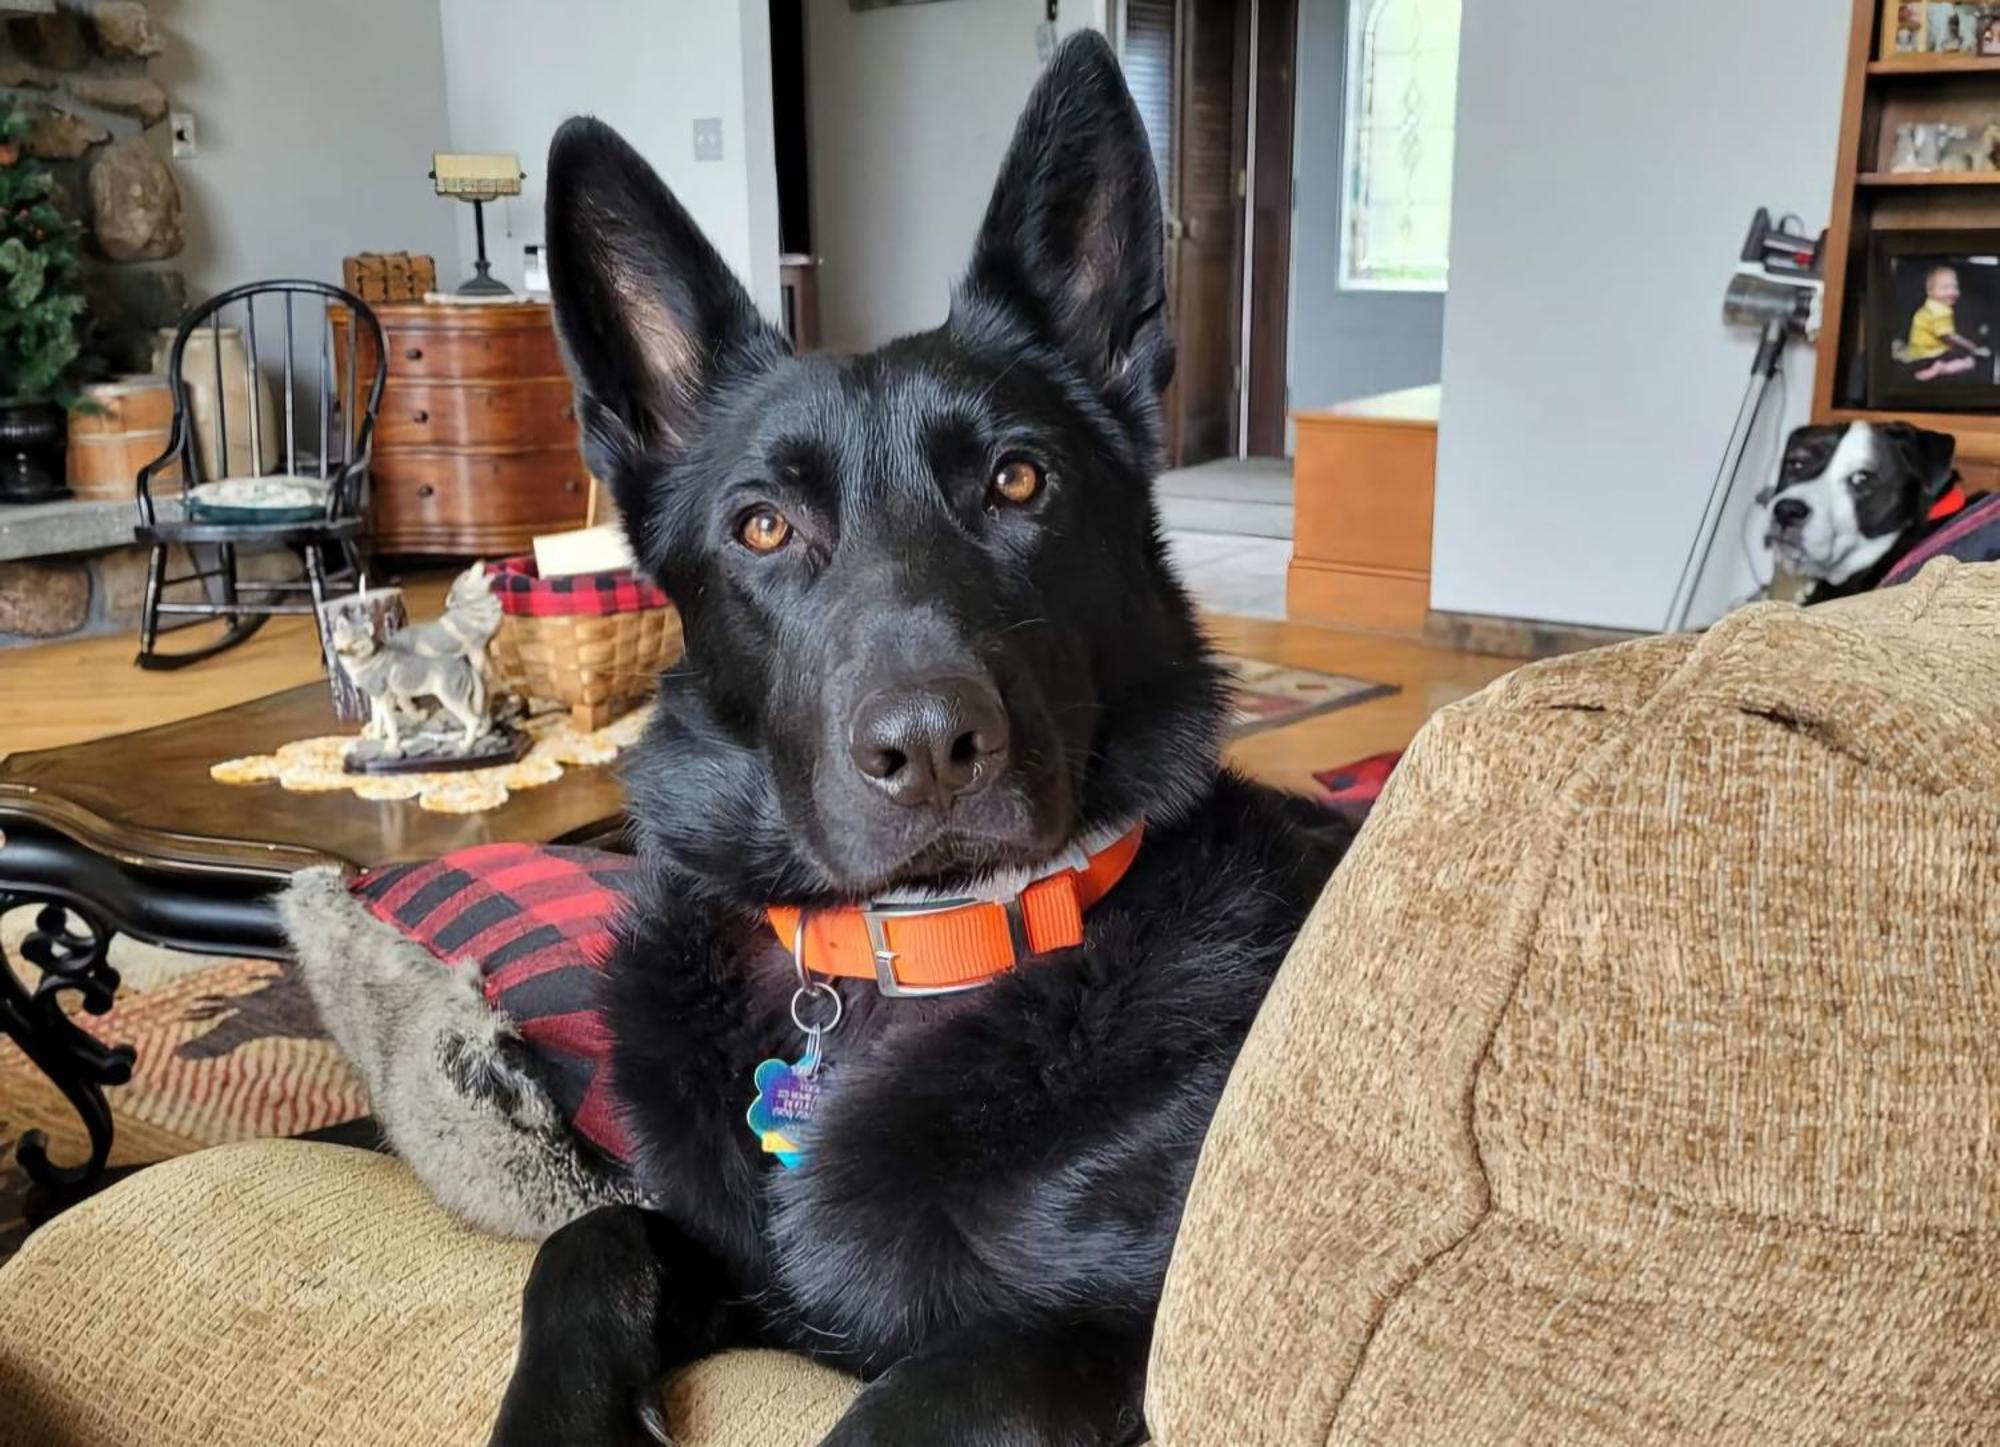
<point>708,138</point>
<point>181,128</point>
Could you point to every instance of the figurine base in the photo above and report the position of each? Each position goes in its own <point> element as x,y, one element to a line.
<point>421,755</point>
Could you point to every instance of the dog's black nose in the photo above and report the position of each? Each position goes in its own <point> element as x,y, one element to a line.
<point>1789,512</point>
<point>932,743</point>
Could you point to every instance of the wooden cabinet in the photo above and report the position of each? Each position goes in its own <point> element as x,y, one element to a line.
<point>476,446</point>
<point>1363,478</point>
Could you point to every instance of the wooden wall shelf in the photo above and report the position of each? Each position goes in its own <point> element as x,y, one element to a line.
<point>1868,198</point>
<point>1886,179</point>
<point>1920,69</point>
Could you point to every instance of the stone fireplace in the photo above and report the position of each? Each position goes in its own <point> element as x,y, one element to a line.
<point>80,69</point>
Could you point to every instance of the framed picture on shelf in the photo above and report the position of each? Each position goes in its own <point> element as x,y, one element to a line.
<point>1954,29</point>
<point>1989,30</point>
<point>1905,29</point>
<point>1933,320</point>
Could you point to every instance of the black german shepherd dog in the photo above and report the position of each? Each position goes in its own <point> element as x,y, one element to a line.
<point>932,642</point>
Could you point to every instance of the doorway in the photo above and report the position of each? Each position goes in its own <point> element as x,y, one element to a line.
<point>1213,80</point>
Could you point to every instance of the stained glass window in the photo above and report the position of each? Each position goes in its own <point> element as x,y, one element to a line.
<point>1402,102</point>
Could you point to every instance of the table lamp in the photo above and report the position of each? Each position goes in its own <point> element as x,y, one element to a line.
<point>478,178</point>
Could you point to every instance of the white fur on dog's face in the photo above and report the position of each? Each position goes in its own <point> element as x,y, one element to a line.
<point>1829,542</point>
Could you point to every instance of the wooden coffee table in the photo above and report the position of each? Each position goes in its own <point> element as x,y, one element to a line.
<point>129,835</point>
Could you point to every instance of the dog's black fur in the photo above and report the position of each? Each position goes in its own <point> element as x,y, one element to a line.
<point>982,1223</point>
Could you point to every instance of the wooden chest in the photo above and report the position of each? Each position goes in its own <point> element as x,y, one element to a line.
<point>476,446</point>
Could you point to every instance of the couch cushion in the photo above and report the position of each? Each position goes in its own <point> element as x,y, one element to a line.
<point>1649,1040</point>
<point>282,1293</point>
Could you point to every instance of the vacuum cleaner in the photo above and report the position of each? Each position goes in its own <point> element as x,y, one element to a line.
<point>1778,290</point>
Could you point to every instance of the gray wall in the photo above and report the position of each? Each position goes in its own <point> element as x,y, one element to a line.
<point>316,123</point>
<point>515,69</point>
<point>911,111</point>
<point>1605,179</point>
<point>1343,344</point>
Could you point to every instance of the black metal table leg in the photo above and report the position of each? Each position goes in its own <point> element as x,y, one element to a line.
<point>71,946</point>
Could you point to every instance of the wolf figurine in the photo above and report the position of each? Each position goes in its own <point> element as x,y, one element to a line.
<point>444,660</point>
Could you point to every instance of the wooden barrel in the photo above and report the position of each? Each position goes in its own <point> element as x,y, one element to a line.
<point>234,419</point>
<point>108,447</point>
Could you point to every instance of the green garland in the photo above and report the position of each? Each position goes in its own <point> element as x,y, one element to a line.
<point>41,304</point>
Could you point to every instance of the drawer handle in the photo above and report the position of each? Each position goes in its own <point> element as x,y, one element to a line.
<point>426,490</point>
<point>414,354</point>
<point>420,416</point>
<point>572,486</point>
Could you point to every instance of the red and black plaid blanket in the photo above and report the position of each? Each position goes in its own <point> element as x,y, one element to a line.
<point>536,922</point>
<point>525,593</point>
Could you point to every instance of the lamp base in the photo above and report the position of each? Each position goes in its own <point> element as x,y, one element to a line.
<point>485,285</point>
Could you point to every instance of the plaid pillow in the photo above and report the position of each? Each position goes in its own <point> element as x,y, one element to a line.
<point>524,593</point>
<point>536,921</point>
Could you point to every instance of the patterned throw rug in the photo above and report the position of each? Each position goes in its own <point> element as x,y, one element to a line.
<point>228,1050</point>
<point>231,1050</point>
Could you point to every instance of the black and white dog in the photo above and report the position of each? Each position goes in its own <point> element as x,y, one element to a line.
<point>934,652</point>
<point>1851,499</point>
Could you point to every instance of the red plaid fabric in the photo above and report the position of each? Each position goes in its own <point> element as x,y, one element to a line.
<point>536,921</point>
<point>525,593</point>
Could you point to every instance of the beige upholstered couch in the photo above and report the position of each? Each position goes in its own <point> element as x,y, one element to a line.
<point>1637,1080</point>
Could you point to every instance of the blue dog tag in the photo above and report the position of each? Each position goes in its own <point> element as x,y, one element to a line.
<point>787,1096</point>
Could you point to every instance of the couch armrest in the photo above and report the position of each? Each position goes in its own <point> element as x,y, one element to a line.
<point>1629,1080</point>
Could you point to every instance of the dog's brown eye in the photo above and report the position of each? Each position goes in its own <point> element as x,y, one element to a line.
<point>764,531</point>
<point>1017,481</point>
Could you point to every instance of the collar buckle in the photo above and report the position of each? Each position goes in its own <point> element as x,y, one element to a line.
<point>875,918</point>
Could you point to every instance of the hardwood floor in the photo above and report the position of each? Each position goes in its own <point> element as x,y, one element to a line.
<point>66,692</point>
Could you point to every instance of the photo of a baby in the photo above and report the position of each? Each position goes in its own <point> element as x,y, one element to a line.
<point>1935,346</point>
<point>1934,320</point>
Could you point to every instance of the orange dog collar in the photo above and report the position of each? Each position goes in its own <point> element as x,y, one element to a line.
<point>937,947</point>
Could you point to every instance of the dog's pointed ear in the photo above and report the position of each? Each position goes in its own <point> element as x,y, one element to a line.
<point>1072,241</point>
<point>1928,454</point>
<point>650,317</point>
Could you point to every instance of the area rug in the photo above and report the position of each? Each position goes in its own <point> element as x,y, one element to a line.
<point>232,1050</point>
<point>1272,696</point>
<point>228,1050</point>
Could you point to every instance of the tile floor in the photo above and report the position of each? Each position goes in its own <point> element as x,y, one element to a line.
<point>1233,573</point>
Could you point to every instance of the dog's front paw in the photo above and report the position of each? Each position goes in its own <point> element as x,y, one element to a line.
<point>587,1419</point>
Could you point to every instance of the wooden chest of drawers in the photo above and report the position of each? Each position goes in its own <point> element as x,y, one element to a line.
<point>476,442</point>
<point>1362,483</point>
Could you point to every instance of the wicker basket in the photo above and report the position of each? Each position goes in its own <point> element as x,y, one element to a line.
<point>595,642</point>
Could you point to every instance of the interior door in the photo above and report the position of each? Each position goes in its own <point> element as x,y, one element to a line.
<point>1205,225</point>
<point>1147,53</point>
<point>1270,249</point>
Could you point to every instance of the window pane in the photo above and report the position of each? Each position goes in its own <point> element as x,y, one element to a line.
<point>1402,81</point>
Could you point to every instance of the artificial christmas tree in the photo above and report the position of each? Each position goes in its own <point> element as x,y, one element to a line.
<point>41,309</point>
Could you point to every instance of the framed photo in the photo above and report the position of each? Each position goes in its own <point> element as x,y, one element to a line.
<point>1989,30</point>
<point>1954,28</point>
<point>1933,320</point>
<point>1905,28</point>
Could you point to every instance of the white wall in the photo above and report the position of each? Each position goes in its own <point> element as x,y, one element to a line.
<point>911,110</point>
<point>316,125</point>
<point>1605,178</point>
<point>516,69</point>
<point>1343,344</point>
